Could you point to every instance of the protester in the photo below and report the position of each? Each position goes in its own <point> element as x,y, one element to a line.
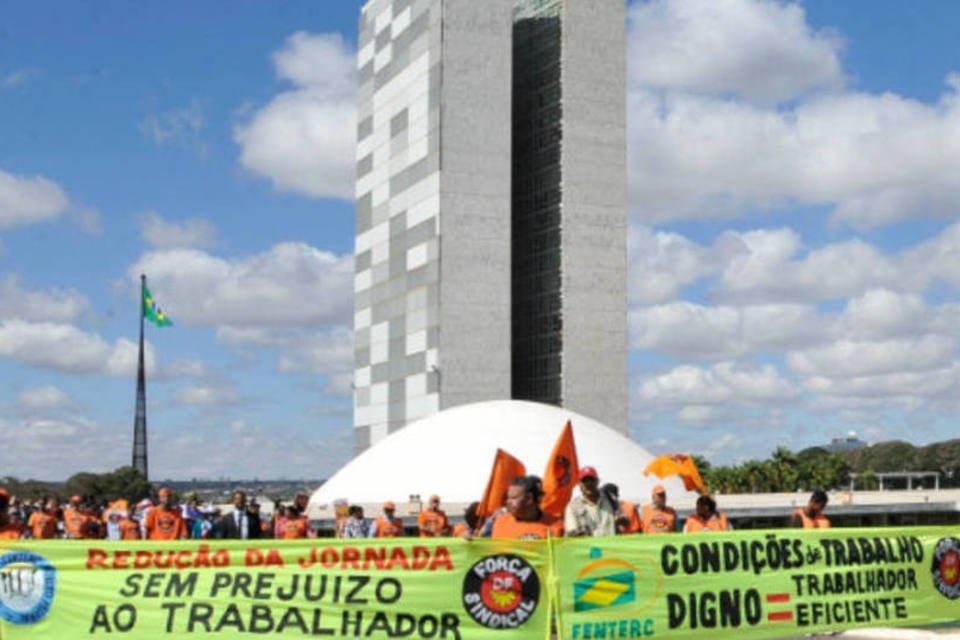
<point>42,523</point>
<point>657,517</point>
<point>356,526</point>
<point>129,527</point>
<point>93,528</point>
<point>387,524</point>
<point>164,522</point>
<point>74,519</point>
<point>241,523</point>
<point>591,513</point>
<point>471,522</point>
<point>811,516</point>
<point>523,518</point>
<point>10,529</point>
<point>433,521</point>
<point>706,518</point>
<point>627,518</point>
<point>295,524</point>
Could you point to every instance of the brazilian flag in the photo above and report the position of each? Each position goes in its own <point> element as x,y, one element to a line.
<point>152,311</point>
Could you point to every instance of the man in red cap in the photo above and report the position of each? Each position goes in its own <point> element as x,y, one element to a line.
<point>433,521</point>
<point>657,516</point>
<point>387,524</point>
<point>9,528</point>
<point>591,513</point>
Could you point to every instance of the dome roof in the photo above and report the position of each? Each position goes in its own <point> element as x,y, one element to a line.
<point>451,453</point>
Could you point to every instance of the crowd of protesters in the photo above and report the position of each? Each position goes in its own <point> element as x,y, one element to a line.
<point>596,511</point>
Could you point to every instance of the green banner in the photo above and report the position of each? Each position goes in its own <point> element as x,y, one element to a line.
<point>447,589</point>
<point>756,584</point>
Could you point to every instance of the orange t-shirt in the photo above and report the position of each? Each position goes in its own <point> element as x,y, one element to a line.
<point>432,523</point>
<point>129,529</point>
<point>164,525</point>
<point>75,523</point>
<point>11,531</point>
<point>819,522</point>
<point>42,525</point>
<point>717,522</point>
<point>507,526</point>
<point>460,530</point>
<point>633,524</point>
<point>389,528</point>
<point>295,528</point>
<point>658,520</point>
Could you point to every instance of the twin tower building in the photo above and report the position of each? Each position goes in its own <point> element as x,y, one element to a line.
<point>491,208</point>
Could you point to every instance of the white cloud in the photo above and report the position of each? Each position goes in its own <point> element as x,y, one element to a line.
<point>662,263</point>
<point>725,384</point>
<point>850,358</point>
<point>704,141</point>
<point>210,394</point>
<point>58,305</point>
<point>303,139</point>
<point>18,78</point>
<point>160,233</point>
<point>290,285</point>
<point>44,398</point>
<point>28,200</point>
<point>63,347</point>
<point>761,51</point>
<point>180,126</point>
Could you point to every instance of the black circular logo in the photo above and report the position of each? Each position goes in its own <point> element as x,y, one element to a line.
<point>501,591</point>
<point>946,567</point>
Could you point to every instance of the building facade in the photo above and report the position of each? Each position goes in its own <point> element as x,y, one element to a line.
<point>491,191</point>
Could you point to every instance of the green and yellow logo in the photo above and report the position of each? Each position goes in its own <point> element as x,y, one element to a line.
<point>611,582</point>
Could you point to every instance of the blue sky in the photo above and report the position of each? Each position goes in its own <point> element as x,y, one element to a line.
<point>794,261</point>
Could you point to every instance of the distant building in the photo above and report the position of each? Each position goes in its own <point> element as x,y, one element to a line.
<point>849,443</point>
<point>491,209</point>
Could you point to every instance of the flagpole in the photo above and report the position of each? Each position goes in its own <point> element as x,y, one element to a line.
<point>140,418</point>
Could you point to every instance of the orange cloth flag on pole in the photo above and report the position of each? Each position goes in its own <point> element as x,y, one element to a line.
<point>560,476</point>
<point>677,464</point>
<point>505,469</point>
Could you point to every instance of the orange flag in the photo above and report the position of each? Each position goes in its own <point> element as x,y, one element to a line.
<point>677,464</point>
<point>560,477</point>
<point>505,469</point>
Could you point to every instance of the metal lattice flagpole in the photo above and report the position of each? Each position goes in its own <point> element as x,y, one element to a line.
<point>140,419</point>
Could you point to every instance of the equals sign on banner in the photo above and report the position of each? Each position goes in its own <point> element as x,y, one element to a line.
<point>779,616</point>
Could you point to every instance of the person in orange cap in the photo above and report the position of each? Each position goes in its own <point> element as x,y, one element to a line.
<point>657,516</point>
<point>164,521</point>
<point>433,521</point>
<point>388,525</point>
<point>9,529</point>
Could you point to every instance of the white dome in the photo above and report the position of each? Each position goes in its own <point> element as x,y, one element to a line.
<point>451,453</point>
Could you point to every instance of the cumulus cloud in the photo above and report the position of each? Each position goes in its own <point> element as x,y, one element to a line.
<point>303,139</point>
<point>66,348</point>
<point>160,233</point>
<point>30,199</point>
<point>291,284</point>
<point>18,78</point>
<point>705,142</point>
<point>44,398</point>
<point>688,386</point>
<point>208,394</point>
<point>58,305</point>
<point>761,51</point>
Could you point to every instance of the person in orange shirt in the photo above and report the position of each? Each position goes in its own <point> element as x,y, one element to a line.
<point>433,522</point>
<point>129,527</point>
<point>10,529</point>
<point>388,525</point>
<point>811,516</point>
<point>74,519</point>
<point>523,518</point>
<point>657,517</point>
<point>627,518</point>
<point>43,523</point>
<point>296,525</point>
<point>707,518</point>
<point>164,522</point>
<point>471,522</point>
